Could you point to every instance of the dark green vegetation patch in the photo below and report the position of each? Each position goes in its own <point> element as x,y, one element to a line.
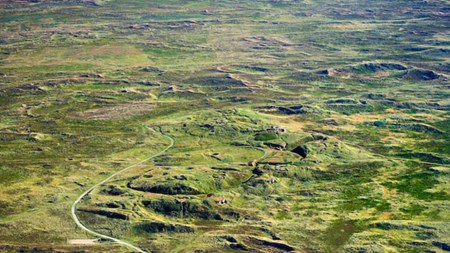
<point>299,126</point>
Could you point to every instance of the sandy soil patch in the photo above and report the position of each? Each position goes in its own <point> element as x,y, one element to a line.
<point>83,241</point>
<point>117,111</point>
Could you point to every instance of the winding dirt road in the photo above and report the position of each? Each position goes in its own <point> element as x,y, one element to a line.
<point>74,206</point>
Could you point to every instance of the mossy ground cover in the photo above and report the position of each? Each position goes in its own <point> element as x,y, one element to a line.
<point>306,126</point>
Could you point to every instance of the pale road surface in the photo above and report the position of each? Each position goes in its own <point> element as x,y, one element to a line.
<point>74,206</point>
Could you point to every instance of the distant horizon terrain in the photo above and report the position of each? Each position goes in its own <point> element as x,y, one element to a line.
<point>308,126</point>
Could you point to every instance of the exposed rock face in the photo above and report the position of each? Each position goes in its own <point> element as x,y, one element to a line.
<point>301,150</point>
<point>109,214</point>
<point>257,171</point>
<point>180,177</point>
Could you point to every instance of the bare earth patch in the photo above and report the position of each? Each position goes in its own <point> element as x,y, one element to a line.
<point>116,112</point>
<point>83,241</point>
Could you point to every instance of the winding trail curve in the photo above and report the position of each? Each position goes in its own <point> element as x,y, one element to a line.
<point>74,205</point>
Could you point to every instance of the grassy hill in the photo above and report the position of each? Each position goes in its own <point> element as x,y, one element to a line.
<point>323,125</point>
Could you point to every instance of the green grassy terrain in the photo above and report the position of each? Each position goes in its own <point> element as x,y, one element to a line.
<point>324,125</point>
